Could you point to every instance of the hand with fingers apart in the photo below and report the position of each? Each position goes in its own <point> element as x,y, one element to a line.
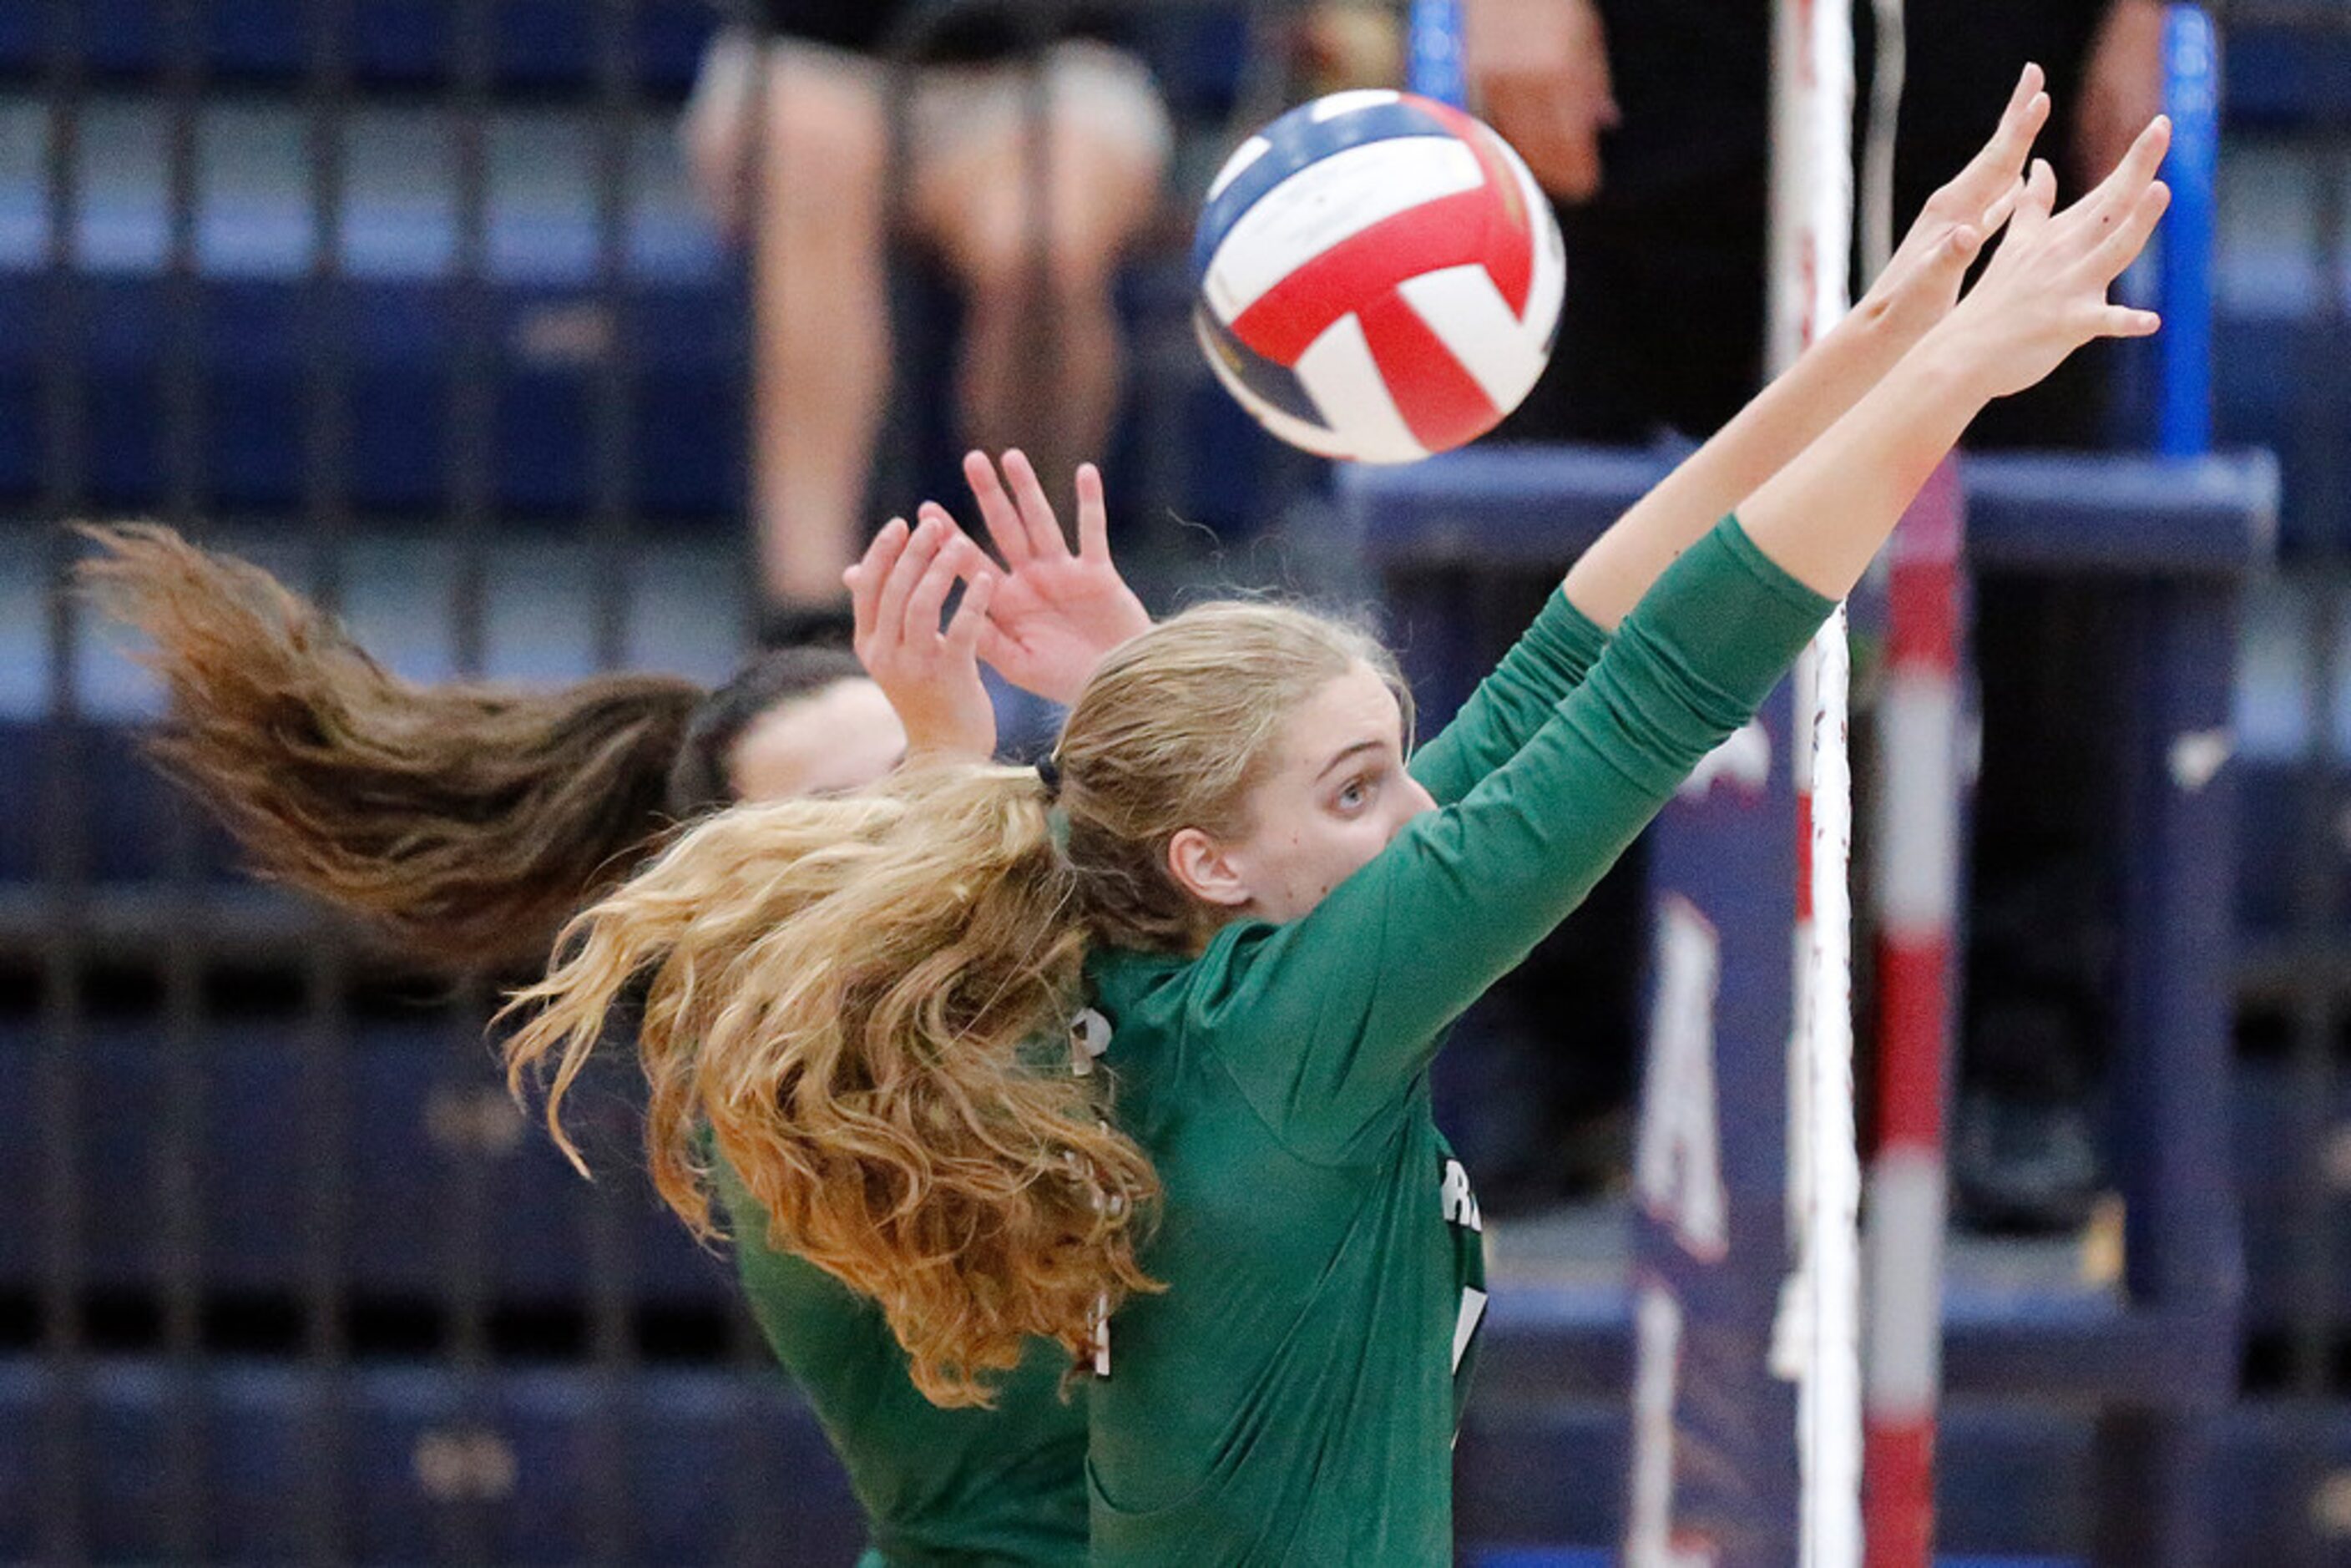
<point>2044,295</point>
<point>1921,280</point>
<point>931,675</point>
<point>1056,612</point>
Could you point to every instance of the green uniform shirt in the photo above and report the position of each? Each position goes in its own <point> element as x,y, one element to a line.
<point>974,1489</point>
<point>1293,1397</point>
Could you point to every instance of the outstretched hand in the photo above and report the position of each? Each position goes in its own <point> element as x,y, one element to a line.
<point>2044,295</point>
<point>1921,280</point>
<point>1055,613</point>
<point>930,675</point>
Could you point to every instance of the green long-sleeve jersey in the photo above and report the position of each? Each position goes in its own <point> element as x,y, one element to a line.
<point>999,1488</point>
<point>1293,1397</point>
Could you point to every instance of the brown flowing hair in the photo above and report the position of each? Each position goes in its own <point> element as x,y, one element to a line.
<point>866,1000</point>
<point>464,822</point>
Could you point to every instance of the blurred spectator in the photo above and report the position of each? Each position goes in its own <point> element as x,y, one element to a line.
<point>1648,120</point>
<point>790,135</point>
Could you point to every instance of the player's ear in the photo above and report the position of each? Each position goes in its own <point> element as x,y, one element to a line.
<point>1205,869</point>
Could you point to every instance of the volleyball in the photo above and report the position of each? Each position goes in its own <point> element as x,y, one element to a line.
<point>1379,278</point>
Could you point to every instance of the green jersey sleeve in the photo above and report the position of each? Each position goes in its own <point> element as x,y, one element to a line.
<point>1324,1021</point>
<point>1549,661</point>
<point>969,1487</point>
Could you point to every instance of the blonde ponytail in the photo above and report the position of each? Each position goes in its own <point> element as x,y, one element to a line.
<point>864,1001</point>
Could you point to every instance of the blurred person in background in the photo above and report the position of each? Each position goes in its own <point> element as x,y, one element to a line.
<point>812,143</point>
<point>1648,122</point>
<point>466,823</point>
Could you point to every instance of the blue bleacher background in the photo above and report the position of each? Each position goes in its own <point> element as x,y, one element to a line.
<point>509,1452</point>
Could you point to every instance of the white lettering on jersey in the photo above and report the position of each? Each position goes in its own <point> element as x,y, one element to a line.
<point>1089,1037</point>
<point>1650,1538</point>
<point>1464,1326</point>
<point>1677,1158</point>
<point>1460,1203</point>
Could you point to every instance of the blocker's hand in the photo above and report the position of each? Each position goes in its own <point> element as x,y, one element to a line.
<point>1055,613</point>
<point>1921,280</point>
<point>2044,295</point>
<point>931,675</point>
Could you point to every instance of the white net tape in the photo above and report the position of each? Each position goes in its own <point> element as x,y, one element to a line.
<point>1828,1413</point>
<point>1819,1339</point>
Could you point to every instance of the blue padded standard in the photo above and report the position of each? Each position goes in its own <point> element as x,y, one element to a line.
<point>535,45</point>
<point>693,1448</point>
<point>401,343</point>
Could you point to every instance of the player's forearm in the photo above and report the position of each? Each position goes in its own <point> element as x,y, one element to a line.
<point>1775,426</point>
<point>1823,516</point>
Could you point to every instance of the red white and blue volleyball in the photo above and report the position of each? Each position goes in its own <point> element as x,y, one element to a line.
<point>1379,278</point>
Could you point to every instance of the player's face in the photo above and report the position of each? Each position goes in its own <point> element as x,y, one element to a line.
<point>1336,795</point>
<point>841,737</point>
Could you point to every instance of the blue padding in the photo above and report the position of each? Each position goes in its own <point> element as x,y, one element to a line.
<point>2282,380</point>
<point>1200,57</point>
<point>1503,507</point>
<point>2274,849</point>
<point>123,809</point>
<point>2287,78</point>
<point>21,806</point>
<point>2012,1482</point>
<point>2281,1176</point>
<point>22,1383</point>
<point>429,1123</point>
<point>427,1139</point>
<point>402,339</point>
<point>692,1454</point>
<point>536,46</point>
<point>2000,1338</point>
<point>1553,1471</point>
<point>24,1222</point>
<point>698,1448</point>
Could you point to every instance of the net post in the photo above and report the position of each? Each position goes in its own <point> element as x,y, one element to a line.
<point>1916,871</point>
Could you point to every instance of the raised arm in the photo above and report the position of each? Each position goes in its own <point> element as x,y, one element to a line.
<point>1043,618</point>
<point>2043,296</point>
<point>1511,703</point>
<point>1914,292</point>
<point>1334,1013</point>
<point>1339,1011</point>
<point>1059,611</point>
<point>897,592</point>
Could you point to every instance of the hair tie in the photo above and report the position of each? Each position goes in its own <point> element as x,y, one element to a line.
<point>1049,773</point>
